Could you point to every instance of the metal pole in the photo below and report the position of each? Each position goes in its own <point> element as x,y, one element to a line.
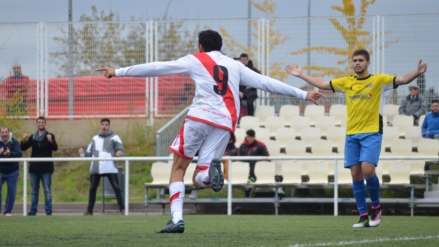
<point>71,103</point>
<point>249,26</point>
<point>309,35</point>
<point>24,188</point>
<point>229,187</point>
<point>336,187</point>
<point>127,184</point>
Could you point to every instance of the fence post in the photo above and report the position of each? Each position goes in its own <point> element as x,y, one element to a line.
<point>229,187</point>
<point>127,184</point>
<point>24,188</point>
<point>336,187</point>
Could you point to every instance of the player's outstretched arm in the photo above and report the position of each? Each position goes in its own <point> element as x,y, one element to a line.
<point>296,70</point>
<point>108,72</point>
<point>407,78</point>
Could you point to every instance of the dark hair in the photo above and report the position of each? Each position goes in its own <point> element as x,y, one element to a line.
<point>41,118</point>
<point>210,40</point>
<point>251,133</point>
<point>105,120</point>
<point>243,55</point>
<point>435,101</point>
<point>362,52</point>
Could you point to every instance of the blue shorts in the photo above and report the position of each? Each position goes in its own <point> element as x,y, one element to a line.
<point>362,147</point>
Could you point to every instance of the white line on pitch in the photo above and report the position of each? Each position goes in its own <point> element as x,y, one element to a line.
<point>378,240</point>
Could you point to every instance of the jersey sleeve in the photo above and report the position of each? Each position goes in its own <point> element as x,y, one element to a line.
<point>180,66</point>
<point>338,85</point>
<point>255,80</point>
<point>387,81</point>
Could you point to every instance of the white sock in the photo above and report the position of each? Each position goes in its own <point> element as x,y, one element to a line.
<point>176,192</point>
<point>202,178</point>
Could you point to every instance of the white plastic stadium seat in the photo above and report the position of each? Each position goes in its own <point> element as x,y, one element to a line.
<point>264,111</point>
<point>262,134</point>
<point>390,111</point>
<point>401,147</point>
<point>265,172</point>
<point>337,135</point>
<point>413,133</point>
<point>389,134</point>
<point>288,112</point>
<point>239,172</point>
<point>298,123</point>
<point>421,120</point>
<point>324,123</point>
<point>239,135</point>
<point>428,147</point>
<point>249,122</point>
<point>296,148</point>
<point>283,135</point>
<point>273,123</point>
<point>292,172</point>
<point>402,122</point>
<point>160,173</point>
<point>321,147</point>
<point>189,174</point>
<point>417,166</point>
<point>317,172</point>
<point>314,111</point>
<point>399,173</point>
<point>344,175</point>
<point>273,147</point>
<point>309,134</point>
<point>339,113</point>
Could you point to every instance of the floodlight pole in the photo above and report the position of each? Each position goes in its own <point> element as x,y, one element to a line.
<point>71,88</point>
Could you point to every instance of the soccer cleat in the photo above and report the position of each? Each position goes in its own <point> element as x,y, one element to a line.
<point>31,214</point>
<point>173,228</point>
<point>88,213</point>
<point>363,222</point>
<point>375,217</point>
<point>216,175</point>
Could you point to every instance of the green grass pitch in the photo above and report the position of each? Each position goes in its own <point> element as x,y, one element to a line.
<point>217,230</point>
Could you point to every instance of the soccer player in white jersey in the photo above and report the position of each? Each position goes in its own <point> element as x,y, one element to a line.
<point>212,116</point>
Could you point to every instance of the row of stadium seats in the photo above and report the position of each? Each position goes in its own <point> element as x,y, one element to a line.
<point>314,115</point>
<point>294,171</point>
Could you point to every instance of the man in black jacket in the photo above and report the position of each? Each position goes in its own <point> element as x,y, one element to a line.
<point>248,94</point>
<point>42,143</point>
<point>9,148</point>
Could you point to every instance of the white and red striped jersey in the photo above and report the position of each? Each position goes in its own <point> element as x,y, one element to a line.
<point>217,79</point>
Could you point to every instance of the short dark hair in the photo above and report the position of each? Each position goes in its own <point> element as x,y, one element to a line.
<point>362,52</point>
<point>105,120</point>
<point>251,133</point>
<point>243,55</point>
<point>41,118</point>
<point>435,101</point>
<point>210,40</point>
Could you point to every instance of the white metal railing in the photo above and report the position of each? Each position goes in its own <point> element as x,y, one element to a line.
<point>229,158</point>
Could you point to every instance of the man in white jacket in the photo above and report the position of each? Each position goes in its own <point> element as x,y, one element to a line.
<point>105,144</point>
<point>212,116</point>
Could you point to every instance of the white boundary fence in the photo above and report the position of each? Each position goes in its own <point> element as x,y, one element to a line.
<point>229,186</point>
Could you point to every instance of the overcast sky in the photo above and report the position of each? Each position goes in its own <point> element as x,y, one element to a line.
<point>57,10</point>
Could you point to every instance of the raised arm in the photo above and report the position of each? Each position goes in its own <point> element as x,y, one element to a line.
<point>317,82</point>
<point>180,66</point>
<point>407,78</point>
<point>255,80</point>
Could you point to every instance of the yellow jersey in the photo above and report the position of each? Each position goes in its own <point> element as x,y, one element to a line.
<point>364,101</point>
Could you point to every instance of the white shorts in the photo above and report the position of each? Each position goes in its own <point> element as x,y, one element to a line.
<point>209,141</point>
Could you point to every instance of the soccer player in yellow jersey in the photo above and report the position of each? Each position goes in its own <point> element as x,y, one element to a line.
<point>364,100</point>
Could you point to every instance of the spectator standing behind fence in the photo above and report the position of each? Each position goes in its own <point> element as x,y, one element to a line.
<point>364,96</point>
<point>414,104</point>
<point>9,148</point>
<point>104,145</point>
<point>430,126</point>
<point>16,91</point>
<point>43,144</point>
<point>247,93</point>
<point>252,147</point>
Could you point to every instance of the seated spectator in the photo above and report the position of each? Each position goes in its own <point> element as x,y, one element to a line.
<point>252,147</point>
<point>430,126</point>
<point>414,104</point>
<point>231,150</point>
